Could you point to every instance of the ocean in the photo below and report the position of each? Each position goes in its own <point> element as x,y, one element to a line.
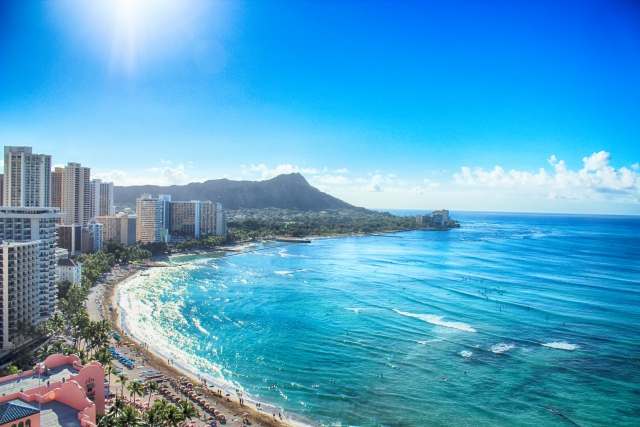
<point>511,320</point>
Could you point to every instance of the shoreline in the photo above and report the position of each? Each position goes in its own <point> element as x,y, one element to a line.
<point>176,370</point>
<point>240,247</point>
<point>228,404</point>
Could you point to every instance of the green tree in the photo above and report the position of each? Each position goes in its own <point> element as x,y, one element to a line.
<point>151,387</point>
<point>187,409</point>
<point>128,417</point>
<point>135,389</point>
<point>122,379</point>
<point>173,416</point>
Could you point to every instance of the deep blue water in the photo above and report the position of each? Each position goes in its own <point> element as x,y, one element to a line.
<point>496,323</point>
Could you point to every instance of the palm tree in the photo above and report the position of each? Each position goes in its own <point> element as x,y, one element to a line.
<point>83,356</point>
<point>151,387</point>
<point>104,357</point>
<point>122,379</point>
<point>152,418</point>
<point>161,405</point>
<point>135,389</point>
<point>118,405</point>
<point>57,323</point>
<point>173,416</point>
<point>187,409</point>
<point>58,347</point>
<point>128,417</point>
<point>110,369</point>
<point>100,337</point>
<point>45,351</point>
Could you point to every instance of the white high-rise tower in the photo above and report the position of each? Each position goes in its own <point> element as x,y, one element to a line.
<point>27,178</point>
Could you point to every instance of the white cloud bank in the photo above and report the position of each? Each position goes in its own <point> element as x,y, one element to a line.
<point>161,176</point>
<point>267,173</point>
<point>597,180</point>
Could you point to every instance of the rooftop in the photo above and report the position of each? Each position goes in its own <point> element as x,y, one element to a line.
<point>66,262</point>
<point>56,414</point>
<point>31,381</point>
<point>14,410</point>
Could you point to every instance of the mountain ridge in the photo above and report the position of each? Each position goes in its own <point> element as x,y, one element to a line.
<point>287,191</point>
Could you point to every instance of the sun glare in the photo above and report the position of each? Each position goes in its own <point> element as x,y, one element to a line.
<point>136,30</point>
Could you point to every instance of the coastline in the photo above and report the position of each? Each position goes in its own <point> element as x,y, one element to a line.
<point>230,404</point>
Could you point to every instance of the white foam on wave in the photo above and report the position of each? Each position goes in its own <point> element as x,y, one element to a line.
<point>196,323</point>
<point>437,320</point>
<point>284,273</point>
<point>466,353</point>
<point>355,310</point>
<point>284,254</point>
<point>502,347</point>
<point>561,346</point>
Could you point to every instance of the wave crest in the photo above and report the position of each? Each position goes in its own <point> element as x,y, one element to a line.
<point>502,347</point>
<point>437,320</point>
<point>561,346</point>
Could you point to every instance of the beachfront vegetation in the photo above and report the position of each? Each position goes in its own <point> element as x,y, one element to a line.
<point>156,248</point>
<point>160,414</point>
<point>208,242</point>
<point>252,223</point>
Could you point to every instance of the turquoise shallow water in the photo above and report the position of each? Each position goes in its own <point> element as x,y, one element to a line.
<point>497,323</point>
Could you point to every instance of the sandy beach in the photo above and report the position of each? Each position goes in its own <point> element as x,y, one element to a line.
<point>228,404</point>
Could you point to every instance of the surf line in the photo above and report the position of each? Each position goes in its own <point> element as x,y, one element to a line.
<point>560,414</point>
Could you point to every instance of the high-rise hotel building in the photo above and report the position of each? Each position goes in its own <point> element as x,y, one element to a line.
<point>102,198</point>
<point>151,225</point>
<point>221,221</point>
<point>118,228</point>
<point>28,266</point>
<point>20,292</point>
<point>27,178</point>
<point>76,194</point>
<point>192,219</point>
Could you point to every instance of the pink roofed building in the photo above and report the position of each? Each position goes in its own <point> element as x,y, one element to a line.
<point>71,394</point>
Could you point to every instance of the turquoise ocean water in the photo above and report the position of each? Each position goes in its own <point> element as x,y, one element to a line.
<point>512,320</point>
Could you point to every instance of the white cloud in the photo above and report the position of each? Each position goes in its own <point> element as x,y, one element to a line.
<point>596,161</point>
<point>163,176</point>
<point>390,183</point>
<point>165,162</point>
<point>331,179</point>
<point>635,166</point>
<point>596,180</point>
<point>343,170</point>
<point>279,170</point>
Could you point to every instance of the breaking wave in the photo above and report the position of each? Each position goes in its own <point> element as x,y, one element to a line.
<point>502,347</point>
<point>561,346</point>
<point>437,320</point>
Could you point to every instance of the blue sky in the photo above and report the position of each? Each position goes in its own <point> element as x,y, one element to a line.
<point>481,105</point>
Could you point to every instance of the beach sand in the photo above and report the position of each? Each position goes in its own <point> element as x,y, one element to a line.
<point>104,296</point>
